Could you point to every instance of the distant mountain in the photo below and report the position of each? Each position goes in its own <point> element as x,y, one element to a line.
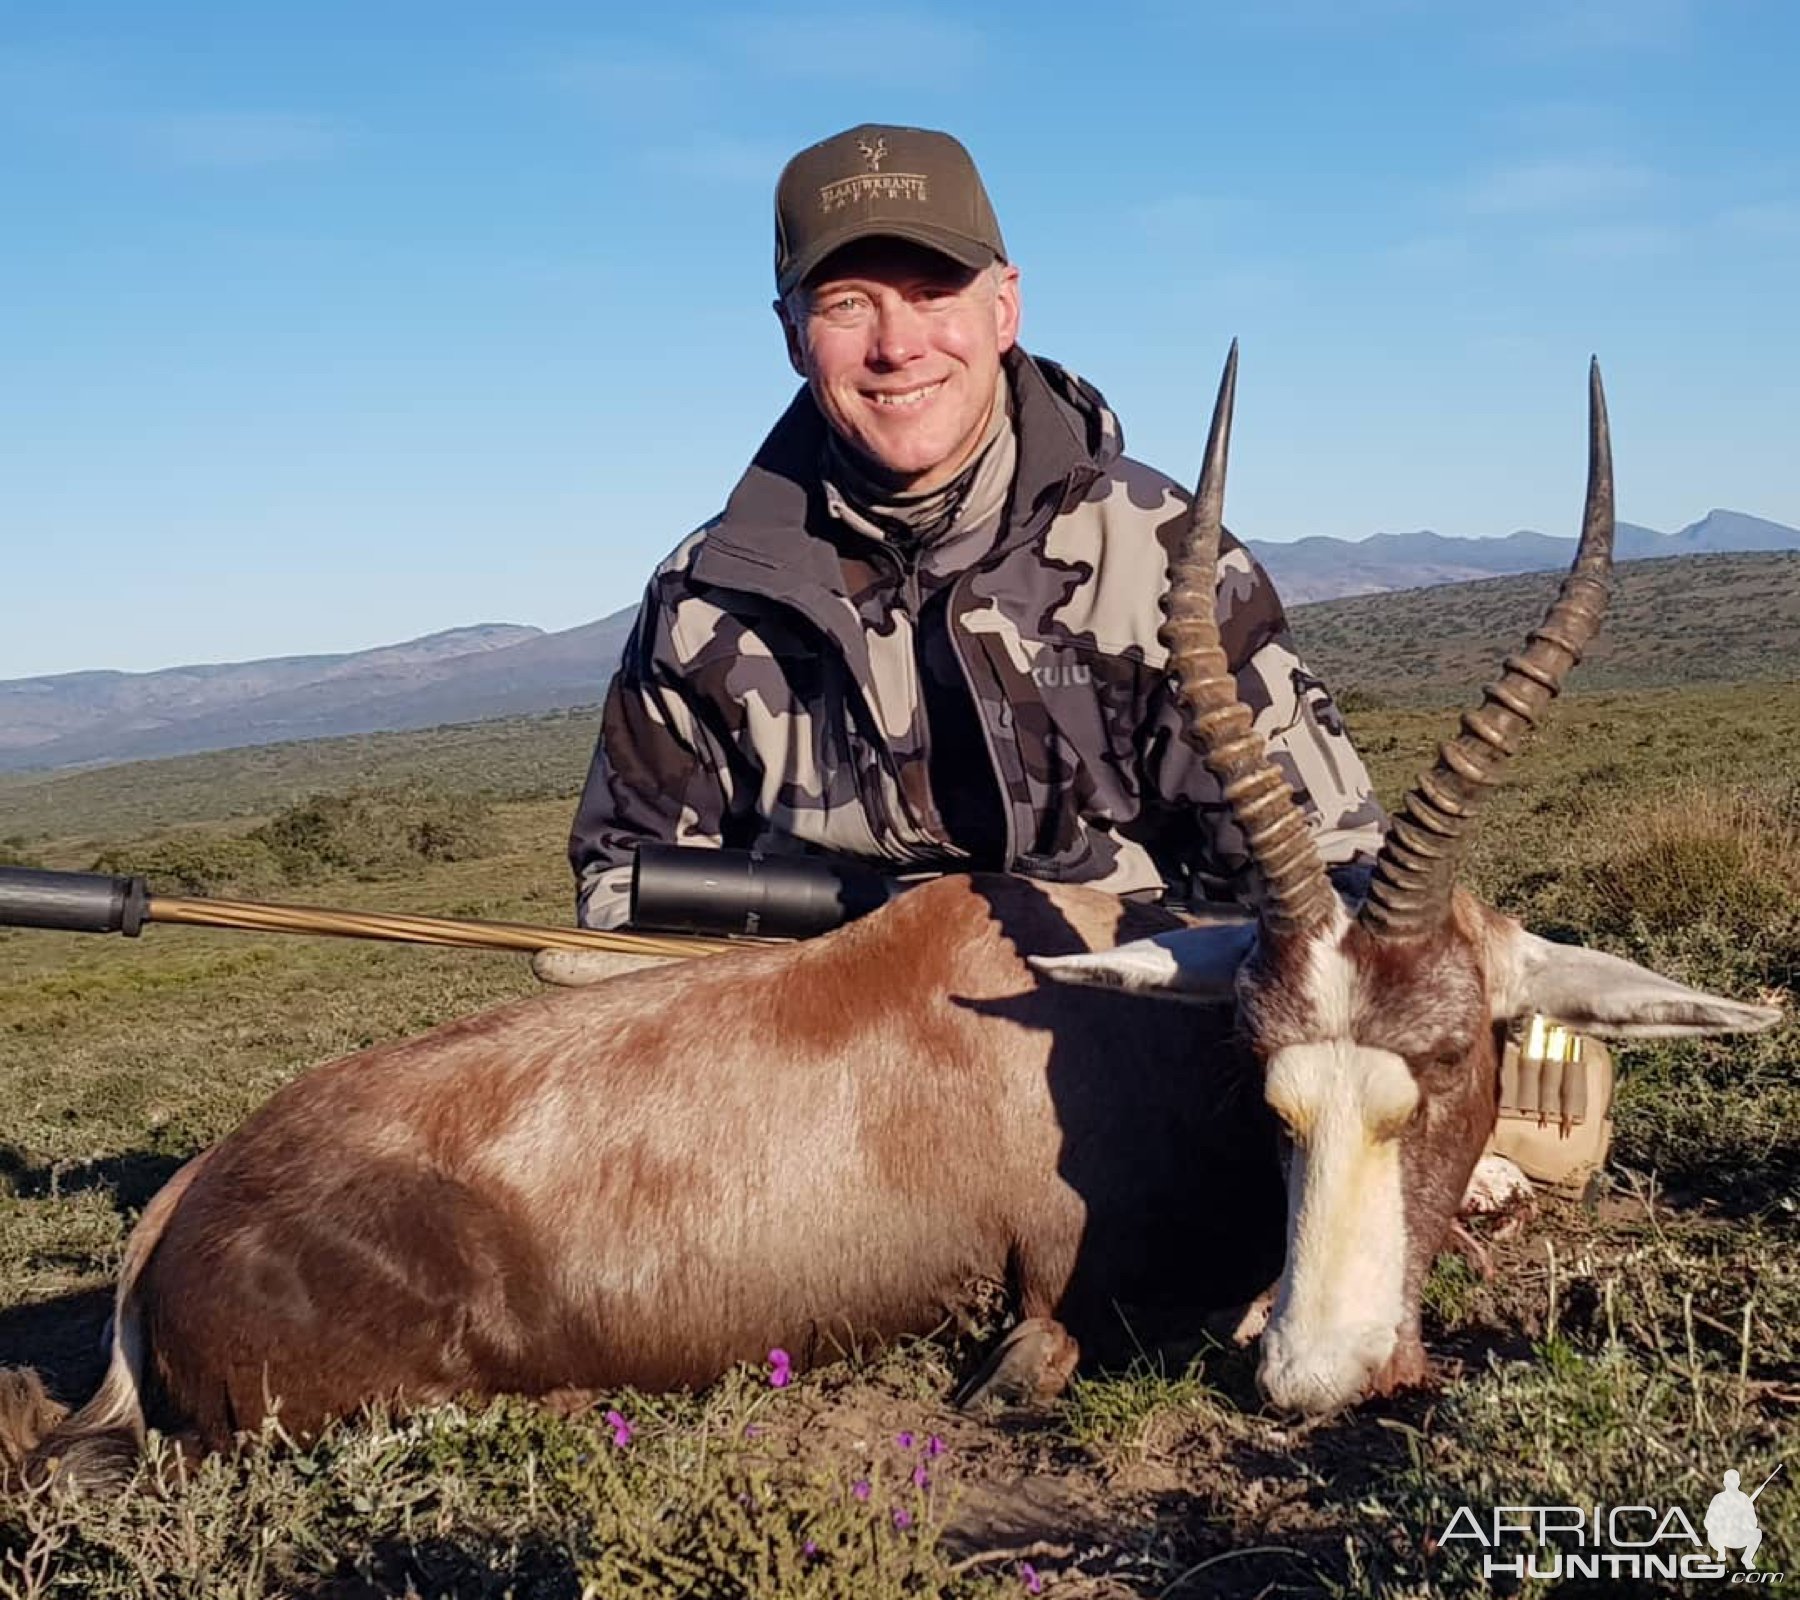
<point>1327,569</point>
<point>465,675</point>
<point>498,669</point>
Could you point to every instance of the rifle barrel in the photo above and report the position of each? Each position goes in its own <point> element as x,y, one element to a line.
<point>98,902</point>
<point>459,932</point>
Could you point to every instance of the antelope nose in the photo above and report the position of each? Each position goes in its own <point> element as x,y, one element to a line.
<point>1318,1375</point>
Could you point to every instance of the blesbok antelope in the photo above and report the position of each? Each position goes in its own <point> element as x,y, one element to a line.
<point>649,1180</point>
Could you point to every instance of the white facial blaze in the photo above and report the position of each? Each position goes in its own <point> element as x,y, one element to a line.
<point>1341,1297</point>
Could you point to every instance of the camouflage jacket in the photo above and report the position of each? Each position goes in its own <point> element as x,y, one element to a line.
<point>767,700</point>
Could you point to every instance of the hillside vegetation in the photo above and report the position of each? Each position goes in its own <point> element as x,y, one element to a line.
<point>1696,619</point>
<point>1626,1350</point>
<point>509,758</point>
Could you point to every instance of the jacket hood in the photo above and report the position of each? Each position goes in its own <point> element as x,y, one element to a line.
<point>1094,428</point>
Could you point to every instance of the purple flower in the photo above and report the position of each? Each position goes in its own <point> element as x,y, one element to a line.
<point>904,1440</point>
<point>781,1368</point>
<point>921,1478</point>
<point>902,1517</point>
<point>810,1548</point>
<point>622,1430</point>
<point>1031,1578</point>
<point>752,1430</point>
<point>934,1446</point>
<point>860,1488</point>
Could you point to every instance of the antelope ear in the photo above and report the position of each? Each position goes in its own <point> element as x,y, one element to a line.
<point>1198,965</point>
<point>1604,994</point>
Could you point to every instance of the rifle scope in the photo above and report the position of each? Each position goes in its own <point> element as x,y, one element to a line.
<point>688,889</point>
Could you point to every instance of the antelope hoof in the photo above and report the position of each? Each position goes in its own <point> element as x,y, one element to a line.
<point>1032,1364</point>
<point>27,1414</point>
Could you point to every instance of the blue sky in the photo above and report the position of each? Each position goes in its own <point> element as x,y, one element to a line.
<point>325,326</point>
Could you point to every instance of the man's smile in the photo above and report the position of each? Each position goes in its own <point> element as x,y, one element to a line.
<point>897,399</point>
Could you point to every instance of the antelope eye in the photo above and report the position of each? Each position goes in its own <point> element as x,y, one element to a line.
<point>1441,1069</point>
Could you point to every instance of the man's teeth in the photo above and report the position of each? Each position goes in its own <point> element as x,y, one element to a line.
<point>911,398</point>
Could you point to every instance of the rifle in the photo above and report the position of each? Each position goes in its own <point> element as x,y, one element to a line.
<point>684,896</point>
<point>98,902</point>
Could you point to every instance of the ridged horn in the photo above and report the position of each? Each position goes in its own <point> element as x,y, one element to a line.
<point>1297,896</point>
<point>1415,874</point>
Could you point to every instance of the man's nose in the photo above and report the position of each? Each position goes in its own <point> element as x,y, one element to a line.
<point>899,334</point>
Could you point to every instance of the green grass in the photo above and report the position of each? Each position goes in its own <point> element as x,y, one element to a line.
<point>1633,1348</point>
<point>1131,1415</point>
<point>509,758</point>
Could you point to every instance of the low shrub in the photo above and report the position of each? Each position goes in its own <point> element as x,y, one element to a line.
<point>1706,887</point>
<point>655,1498</point>
<point>1731,857</point>
<point>374,833</point>
<point>14,854</point>
<point>198,864</point>
<point>1352,698</point>
<point>365,833</point>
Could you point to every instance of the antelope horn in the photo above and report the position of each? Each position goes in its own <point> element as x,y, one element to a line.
<point>1297,896</point>
<point>1415,873</point>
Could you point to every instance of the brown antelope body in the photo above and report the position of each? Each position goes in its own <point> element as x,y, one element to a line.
<point>647,1181</point>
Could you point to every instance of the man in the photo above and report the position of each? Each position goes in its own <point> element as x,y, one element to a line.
<point>923,632</point>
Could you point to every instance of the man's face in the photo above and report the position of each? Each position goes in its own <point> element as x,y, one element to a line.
<point>901,348</point>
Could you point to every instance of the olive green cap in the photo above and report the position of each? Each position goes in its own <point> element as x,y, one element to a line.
<point>876,181</point>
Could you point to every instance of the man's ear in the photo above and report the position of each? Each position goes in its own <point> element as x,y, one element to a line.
<point>796,351</point>
<point>1007,308</point>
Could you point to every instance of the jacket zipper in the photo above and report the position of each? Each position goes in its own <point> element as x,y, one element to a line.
<point>1009,832</point>
<point>908,572</point>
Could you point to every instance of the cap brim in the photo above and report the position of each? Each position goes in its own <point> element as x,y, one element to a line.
<point>964,251</point>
